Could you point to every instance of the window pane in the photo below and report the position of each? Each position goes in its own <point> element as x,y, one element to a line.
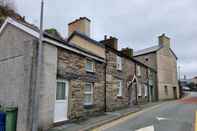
<point>87,98</point>
<point>89,66</point>
<point>87,88</point>
<point>61,90</point>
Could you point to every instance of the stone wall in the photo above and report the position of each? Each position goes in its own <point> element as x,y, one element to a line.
<point>167,74</point>
<point>71,67</point>
<point>113,75</point>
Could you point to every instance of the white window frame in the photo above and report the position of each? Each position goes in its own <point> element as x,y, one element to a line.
<point>66,89</point>
<point>119,87</point>
<point>92,66</point>
<point>89,93</point>
<point>145,90</point>
<point>118,63</point>
<point>139,90</point>
<point>138,70</point>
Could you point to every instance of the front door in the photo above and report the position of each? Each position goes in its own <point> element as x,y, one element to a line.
<point>175,92</point>
<point>61,102</point>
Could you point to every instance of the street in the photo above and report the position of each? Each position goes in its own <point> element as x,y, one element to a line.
<point>171,116</point>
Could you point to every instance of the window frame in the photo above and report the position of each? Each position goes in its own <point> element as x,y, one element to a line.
<point>120,88</point>
<point>66,89</point>
<point>88,93</point>
<point>118,63</point>
<point>138,70</point>
<point>92,66</point>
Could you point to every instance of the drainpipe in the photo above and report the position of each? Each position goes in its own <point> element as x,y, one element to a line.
<point>105,88</point>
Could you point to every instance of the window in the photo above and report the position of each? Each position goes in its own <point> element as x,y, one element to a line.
<point>88,94</point>
<point>138,71</point>
<point>166,90</point>
<point>89,66</point>
<point>139,89</point>
<point>119,87</point>
<point>145,90</point>
<point>61,90</point>
<point>119,63</point>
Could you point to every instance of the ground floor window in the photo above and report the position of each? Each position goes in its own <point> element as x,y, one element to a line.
<point>119,87</point>
<point>145,90</point>
<point>88,93</point>
<point>166,90</point>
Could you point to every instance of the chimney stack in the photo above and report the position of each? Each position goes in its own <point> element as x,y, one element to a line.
<point>81,25</point>
<point>164,41</point>
<point>111,42</point>
<point>127,51</point>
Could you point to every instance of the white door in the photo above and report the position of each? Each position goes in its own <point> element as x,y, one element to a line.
<point>61,102</point>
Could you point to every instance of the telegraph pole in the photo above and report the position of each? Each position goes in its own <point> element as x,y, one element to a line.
<point>35,111</point>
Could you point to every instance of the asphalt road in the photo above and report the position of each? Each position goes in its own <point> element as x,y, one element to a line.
<point>171,116</point>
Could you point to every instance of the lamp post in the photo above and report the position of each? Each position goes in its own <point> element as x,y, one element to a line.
<point>39,64</point>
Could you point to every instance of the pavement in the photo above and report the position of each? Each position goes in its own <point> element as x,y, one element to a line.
<point>179,115</point>
<point>96,121</point>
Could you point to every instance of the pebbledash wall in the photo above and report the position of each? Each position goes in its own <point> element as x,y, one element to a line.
<point>71,67</point>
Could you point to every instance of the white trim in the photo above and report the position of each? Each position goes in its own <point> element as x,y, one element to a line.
<point>120,82</point>
<point>118,63</point>
<point>89,93</point>
<point>36,34</point>
<point>92,66</point>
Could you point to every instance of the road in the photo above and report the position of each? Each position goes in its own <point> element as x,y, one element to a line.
<point>177,115</point>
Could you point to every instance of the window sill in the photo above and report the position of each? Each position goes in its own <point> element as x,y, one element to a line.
<point>90,106</point>
<point>92,72</point>
<point>120,97</point>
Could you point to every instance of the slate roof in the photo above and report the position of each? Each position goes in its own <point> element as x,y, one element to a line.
<point>151,50</point>
<point>147,50</point>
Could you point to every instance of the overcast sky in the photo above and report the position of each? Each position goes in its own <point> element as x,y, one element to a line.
<point>136,23</point>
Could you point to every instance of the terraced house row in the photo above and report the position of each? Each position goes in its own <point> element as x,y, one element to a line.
<point>80,76</point>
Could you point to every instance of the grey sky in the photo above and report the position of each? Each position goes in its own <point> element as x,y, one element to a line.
<point>136,23</point>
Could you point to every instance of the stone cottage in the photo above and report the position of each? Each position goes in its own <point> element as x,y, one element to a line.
<point>127,80</point>
<point>164,61</point>
<point>79,77</point>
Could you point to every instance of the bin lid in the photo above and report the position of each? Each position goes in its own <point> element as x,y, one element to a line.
<point>8,109</point>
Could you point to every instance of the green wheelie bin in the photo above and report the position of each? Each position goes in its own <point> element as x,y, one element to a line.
<point>11,118</point>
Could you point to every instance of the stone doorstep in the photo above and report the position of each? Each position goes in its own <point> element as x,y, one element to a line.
<point>109,117</point>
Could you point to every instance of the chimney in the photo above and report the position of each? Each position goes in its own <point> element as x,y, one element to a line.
<point>127,51</point>
<point>164,41</point>
<point>111,42</point>
<point>81,25</point>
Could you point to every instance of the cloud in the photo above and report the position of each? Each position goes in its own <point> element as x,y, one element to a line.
<point>137,23</point>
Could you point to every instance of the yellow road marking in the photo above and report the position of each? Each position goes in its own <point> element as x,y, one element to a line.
<point>121,120</point>
<point>196,121</point>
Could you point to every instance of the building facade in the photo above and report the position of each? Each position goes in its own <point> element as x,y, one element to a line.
<point>164,61</point>
<point>80,76</point>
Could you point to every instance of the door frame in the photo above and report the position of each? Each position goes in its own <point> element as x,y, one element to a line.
<point>66,97</point>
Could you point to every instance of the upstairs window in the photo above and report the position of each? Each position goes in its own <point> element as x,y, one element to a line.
<point>89,67</point>
<point>119,87</point>
<point>138,70</point>
<point>88,94</point>
<point>119,63</point>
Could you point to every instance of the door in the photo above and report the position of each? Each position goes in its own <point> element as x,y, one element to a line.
<point>175,92</point>
<point>61,102</point>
